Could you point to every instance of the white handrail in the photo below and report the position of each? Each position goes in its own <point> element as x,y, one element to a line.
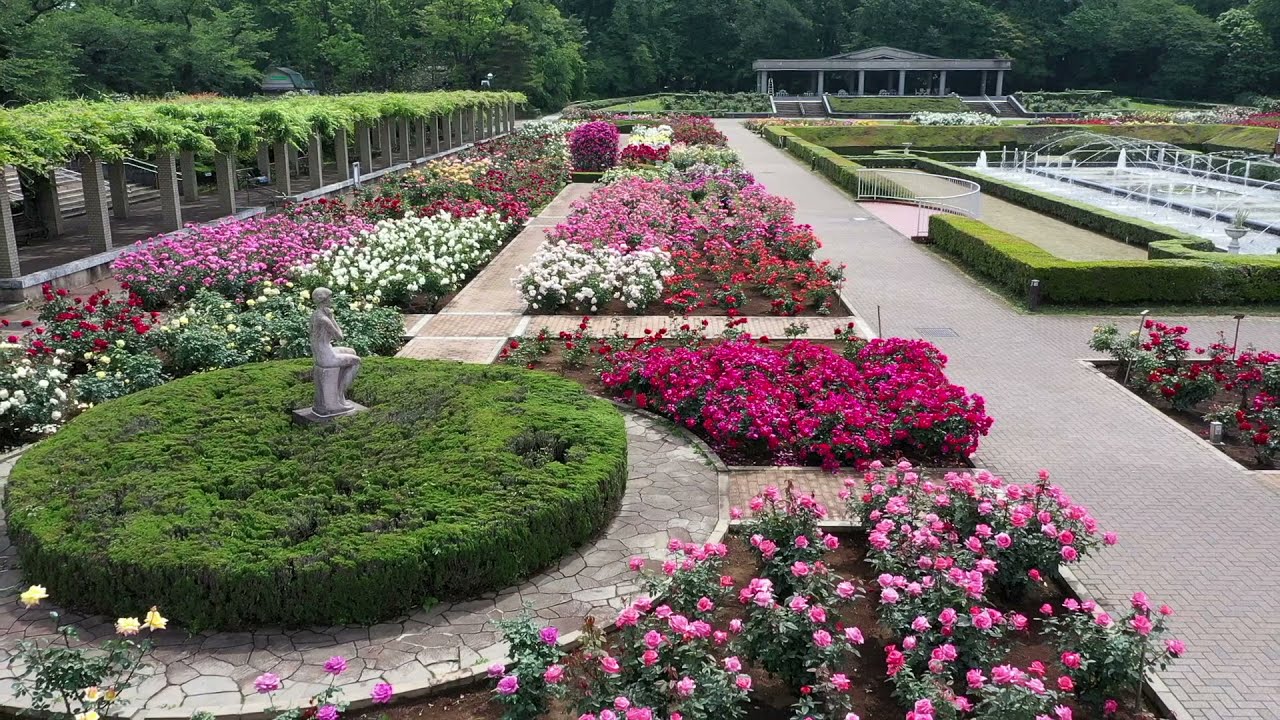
<point>892,186</point>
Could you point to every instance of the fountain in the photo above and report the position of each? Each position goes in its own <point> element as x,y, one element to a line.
<point>1121,161</point>
<point>982,160</point>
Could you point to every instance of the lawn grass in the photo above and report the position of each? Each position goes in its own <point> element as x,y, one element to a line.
<point>656,104</point>
<point>880,104</point>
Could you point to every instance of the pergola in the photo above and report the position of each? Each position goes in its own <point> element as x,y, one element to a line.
<point>887,68</point>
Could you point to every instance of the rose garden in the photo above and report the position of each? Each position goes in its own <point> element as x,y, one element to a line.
<point>682,471</point>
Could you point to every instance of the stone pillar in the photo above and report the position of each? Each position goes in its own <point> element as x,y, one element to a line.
<point>862,82</point>
<point>942,82</point>
<point>364,147</point>
<point>473,121</point>
<point>340,154</point>
<point>8,235</point>
<point>284,182</point>
<point>446,131</point>
<point>760,82</point>
<point>315,161</point>
<point>95,204</point>
<point>387,149</point>
<point>167,183</point>
<point>821,82</point>
<point>264,161</point>
<point>431,135</point>
<point>190,183</point>
<point>224,171</point>
<point>50,204</point>
<point>999,83</point>
<point>119,190</point>
<point>511,116</point>
<point>406,148</point>
<point>984,83</point>
<point>902,82</point>
<point>295,166</point>
<point>426,139</point>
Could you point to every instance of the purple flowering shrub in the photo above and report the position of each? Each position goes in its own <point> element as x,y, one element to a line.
<point>593,146</point>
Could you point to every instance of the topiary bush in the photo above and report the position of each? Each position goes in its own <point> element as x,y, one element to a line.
<point>202,497</point>
<point>593,146</point>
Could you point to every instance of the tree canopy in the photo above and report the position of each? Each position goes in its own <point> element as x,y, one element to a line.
<point>556,50</point>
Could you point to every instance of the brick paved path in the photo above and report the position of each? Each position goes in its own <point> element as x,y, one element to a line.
<point>672,491</point>
<point>1196,531</point>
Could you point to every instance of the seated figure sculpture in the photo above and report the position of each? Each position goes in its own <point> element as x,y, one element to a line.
<point>335,366</point>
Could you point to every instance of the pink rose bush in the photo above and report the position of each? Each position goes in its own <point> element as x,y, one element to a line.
<point>948,550</point>
<point>804,403</point>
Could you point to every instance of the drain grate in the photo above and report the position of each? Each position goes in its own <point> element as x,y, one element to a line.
<point>936,332</point>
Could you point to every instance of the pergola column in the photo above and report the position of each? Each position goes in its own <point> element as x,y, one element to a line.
<point>902,82</point>
<point>942,82</point>
<point>264,160</point>
<point>821,81</point>
<point>95,204</point>
<point>8,235</point>
<point>119,190</point>
<point>455,137</point>
<point>406,148</point>
<point>50,204</point>
<point>432,135</point>
<point>340,154</point>
<point>862,82</point>
<point>999,83</point>
<point>364,147</point>
<point>167,184</point>
<point>446,131</point>
<point>224,171</point>
<point>315,161</point>
<point>284,183</point>
<point>387,150</point>
<point>187,167</point>
<point>295,165</point>
<point>424,143</point>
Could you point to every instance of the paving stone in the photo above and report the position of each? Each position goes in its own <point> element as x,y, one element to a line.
<point>208,684</point>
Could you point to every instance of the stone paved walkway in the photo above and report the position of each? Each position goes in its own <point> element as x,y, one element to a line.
<point>1196,530</point>
<point>672,491</point>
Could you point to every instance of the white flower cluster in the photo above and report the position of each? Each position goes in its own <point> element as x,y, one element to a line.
<point>954,118</point>
<point>402,258</point>
<point>654,136</point>
<point>35,393</point>
<point>645,172</point>
<point>585,279</point>
<point>686,156</point>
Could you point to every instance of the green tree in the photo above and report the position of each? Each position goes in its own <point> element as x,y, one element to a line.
<point>1250,53</point>
<point>34,64</point>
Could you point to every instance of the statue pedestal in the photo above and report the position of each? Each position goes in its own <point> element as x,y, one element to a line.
<point>308,416</point>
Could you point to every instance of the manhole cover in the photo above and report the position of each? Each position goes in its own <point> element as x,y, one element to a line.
<point>937,332</point>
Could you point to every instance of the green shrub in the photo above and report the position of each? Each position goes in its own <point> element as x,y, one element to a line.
<point>858,139</point>
<point>202,497</point>
<point>896,104</point>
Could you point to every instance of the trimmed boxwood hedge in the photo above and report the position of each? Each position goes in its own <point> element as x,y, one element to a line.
<point>200,496</point>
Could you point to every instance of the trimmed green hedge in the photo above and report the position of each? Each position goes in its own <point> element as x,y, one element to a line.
<point>896,104</point>
<point>200,496</point>
<point>1192,277</point>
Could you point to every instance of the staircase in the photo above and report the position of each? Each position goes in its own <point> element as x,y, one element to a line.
<point>71,191</point>
<point>800,108</point>
<point>998,106</point>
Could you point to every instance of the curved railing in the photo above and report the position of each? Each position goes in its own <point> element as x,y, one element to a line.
<point>928,193</point>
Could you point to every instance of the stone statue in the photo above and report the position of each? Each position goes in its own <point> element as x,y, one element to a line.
<point>335,367</point>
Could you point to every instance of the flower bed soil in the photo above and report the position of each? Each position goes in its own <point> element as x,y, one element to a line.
<point>770,699</point>
<point>1233,446</point>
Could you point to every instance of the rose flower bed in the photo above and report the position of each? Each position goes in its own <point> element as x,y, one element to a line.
<point>711,239</point>
<point>943,610</point>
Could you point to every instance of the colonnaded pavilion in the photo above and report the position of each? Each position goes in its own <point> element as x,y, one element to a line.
<point>882,71</point>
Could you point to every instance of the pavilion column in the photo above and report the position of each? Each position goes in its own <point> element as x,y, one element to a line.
<point>999,83</point>
<point>284,182</point>
<point>942,82</point>
<point>187,168</point>
<point>862,82</point>
<point>50,204</point>
<point>95,204</point>
<point>387,149</point>
<point>984,83</point>
<point>902,82</point>
<point>8,235</point>
<point>119,190</point>
<point>315,161</point>
<point>224,171</point>
<point>167,184</point>
<point>406,148</point>
<point>264,161</point>
<point>340,155</point>
<point>821,81</point>
<point>760,82</point>
<point>364,147</point>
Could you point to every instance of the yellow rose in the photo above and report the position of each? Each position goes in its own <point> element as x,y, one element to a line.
<point>128,626</point>
<point>110,695</point>
<point>91,715</point>
<point>92,693</point>
<point>183,320</point>
<point>100,374</point>
<point>154,620</point>
<point>33,595</point>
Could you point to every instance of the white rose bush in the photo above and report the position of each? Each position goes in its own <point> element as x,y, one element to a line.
<point>36,392</point>
<point>566,274</point>
<point>412,256</point>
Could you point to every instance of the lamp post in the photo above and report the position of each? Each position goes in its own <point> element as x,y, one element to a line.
<point>487,81</point>
<point>1235,342</point>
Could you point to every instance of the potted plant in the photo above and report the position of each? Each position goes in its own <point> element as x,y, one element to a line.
<point>1237,230</point>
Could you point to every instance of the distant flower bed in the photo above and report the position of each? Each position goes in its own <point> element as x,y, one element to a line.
<point>954,118</point>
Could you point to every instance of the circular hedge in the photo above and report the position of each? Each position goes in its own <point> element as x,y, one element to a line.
<point>201,496</point>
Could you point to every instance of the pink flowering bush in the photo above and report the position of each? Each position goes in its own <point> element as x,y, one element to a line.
<point>535,672</point>
<point>232,258</point>
<point>802,402</point>
<point>593,146</point>
<point>327,704</point>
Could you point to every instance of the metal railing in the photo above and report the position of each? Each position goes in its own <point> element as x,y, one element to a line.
<point>928,193</point>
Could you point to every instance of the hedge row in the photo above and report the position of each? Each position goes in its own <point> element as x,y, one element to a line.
<point>837,168</point>
<point>200,496</point>
<point>1191,277</point>
<point>901,105</point>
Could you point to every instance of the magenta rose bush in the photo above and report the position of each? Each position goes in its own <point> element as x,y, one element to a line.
<point>593,146</point>
<point>802,403</point>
